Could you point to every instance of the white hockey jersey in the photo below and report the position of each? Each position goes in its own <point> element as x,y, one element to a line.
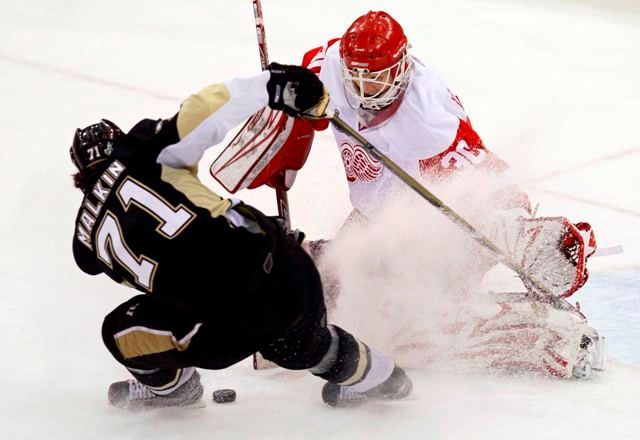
<point>429,135</point>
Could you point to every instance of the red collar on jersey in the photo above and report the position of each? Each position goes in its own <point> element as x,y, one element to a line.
<point>373,118</point>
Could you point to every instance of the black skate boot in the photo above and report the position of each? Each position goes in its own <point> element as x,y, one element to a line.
<point>134,396</point>
<point>397,386</point>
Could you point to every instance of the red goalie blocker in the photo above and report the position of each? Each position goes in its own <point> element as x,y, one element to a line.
<point>268,150</point>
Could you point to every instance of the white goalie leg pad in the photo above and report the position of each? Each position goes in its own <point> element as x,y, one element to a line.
<point>571,348</point>
<point>563,350</point>
<point>514,336</point>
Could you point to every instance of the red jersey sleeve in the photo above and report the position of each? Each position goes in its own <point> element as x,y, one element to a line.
<point>312,60</point>
<point>468,150</point>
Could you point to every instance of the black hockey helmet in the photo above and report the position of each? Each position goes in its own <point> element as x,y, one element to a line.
<point>94,143</point>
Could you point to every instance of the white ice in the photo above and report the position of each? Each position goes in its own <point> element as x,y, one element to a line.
<point>552,86</point>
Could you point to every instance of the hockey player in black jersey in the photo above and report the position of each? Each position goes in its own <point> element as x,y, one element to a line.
<point>217,279</point>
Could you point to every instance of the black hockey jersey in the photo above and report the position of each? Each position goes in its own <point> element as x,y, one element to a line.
<point>160,230</point>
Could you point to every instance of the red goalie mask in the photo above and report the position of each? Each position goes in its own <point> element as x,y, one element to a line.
<point>375,64</point>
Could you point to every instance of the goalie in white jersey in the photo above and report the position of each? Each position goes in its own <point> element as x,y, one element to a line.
<point>405,109</point>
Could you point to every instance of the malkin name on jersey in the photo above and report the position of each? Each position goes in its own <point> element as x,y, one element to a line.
<point>91,211</point>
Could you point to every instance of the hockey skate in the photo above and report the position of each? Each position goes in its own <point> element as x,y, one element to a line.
<point>591,357</point>
<point>397,386</point>
<point>134,396</point>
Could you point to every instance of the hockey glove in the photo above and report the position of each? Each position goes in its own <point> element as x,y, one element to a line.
<point>553,250</point>
<point>296,91</point>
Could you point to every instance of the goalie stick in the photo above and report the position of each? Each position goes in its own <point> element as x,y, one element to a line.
<point>281,194</point>
<point>608,251</point>
<point>537,290</point>
<point>282,199</point>
<point>245,162</point>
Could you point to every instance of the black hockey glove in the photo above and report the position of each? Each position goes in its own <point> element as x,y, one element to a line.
<point>297,91</point>
<point>296,234</point>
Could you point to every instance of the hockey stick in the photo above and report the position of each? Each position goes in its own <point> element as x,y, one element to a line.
<point>281,194</point>
<point>541,292</point>
<point>608,251</point>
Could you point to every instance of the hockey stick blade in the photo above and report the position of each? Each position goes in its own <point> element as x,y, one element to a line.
<point>607,251</point>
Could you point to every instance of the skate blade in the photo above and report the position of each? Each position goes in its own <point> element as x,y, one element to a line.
<point>144,408</point>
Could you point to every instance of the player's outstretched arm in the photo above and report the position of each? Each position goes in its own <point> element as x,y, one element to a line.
<point>206,117</point>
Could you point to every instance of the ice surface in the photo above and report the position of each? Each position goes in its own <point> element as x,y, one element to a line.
<point>551,86</point>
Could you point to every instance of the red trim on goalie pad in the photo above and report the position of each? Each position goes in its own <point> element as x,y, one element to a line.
<point>583,239</point>
<point>560,361</point>
<point>268,144</point>
<point>244,155</point>
<point>291,156</point>
<point>578,245</point>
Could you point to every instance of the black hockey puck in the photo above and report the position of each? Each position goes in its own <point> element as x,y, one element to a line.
<point>224,396</point>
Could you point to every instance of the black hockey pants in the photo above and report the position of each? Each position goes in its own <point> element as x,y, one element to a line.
<point>155,338</point>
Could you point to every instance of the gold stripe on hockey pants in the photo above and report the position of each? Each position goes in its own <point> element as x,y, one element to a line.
<point>140,341</point>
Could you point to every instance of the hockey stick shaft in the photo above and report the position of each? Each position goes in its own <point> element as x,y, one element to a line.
<point>281,194</point>
<point>262,39</point>
<point>542,291</point>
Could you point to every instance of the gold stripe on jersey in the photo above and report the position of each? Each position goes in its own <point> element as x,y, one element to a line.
<point>141,341</point>
<point>198,107</point>
<point>362,368</point>
<point>185,181</point>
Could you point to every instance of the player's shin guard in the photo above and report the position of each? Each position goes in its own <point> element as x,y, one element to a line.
<point>355,373</point>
